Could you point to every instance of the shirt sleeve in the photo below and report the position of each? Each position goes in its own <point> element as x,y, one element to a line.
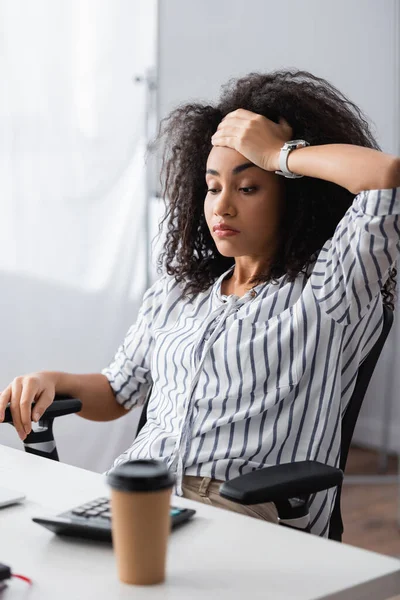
<point>353,265</point>
<point>129,373</point>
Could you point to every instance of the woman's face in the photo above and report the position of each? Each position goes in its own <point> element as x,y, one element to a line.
<point>246,198</point>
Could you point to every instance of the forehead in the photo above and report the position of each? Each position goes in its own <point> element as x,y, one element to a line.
<point>222,158</point>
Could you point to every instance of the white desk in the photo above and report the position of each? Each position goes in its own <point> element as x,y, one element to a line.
<point>216,556</point>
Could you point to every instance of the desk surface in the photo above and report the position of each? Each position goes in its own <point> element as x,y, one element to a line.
<point>218,555</point>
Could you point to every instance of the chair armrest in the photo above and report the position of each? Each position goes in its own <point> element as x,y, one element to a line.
<point>281,482</point>
<point>62,405</point>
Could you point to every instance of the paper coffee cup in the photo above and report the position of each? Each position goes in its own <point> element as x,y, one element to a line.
<point>141,523</point>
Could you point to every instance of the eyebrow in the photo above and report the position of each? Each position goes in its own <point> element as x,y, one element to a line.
<point>235,171</point>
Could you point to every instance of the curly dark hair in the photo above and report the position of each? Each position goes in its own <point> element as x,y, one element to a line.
<point>317,112</point>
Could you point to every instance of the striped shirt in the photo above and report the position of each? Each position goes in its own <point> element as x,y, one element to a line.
<point>242,383</point>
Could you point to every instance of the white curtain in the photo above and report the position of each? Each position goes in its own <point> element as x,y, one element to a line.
<point>73,194</point>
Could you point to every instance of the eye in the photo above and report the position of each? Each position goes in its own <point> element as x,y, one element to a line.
<point>212,190</point>
<point>248,190</point>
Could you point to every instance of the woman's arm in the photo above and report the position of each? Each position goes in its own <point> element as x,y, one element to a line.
<point>354,264</point>
<point>34,393</point>
<point>94,390</point>
<point>260,140</point>
<point>353,167</point>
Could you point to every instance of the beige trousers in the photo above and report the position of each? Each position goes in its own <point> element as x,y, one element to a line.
<point>206,490</point>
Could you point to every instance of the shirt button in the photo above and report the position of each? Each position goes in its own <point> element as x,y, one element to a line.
<point>253,293</point>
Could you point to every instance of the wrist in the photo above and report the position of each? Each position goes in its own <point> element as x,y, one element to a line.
<point>61,381</point>
<point>292,164</point>
<point>285,153</point>
<point>273,160</point>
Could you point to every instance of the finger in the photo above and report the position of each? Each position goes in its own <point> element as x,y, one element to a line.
<point>222,140</point>
<point>28,394</point>
<point>229,129</point>
<point>240,113</point>
<point>4,400</point>
<point>42,404</point>
<point>228,116</point>
<point>228,125</point>
<point>284,124</point>
<point>15,408</point>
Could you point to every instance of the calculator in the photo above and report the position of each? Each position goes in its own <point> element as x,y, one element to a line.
<point>92,520</point>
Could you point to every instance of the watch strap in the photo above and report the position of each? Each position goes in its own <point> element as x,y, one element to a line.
<point>283,158</point>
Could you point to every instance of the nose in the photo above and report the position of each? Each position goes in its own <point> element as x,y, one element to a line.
<point>223,204</point>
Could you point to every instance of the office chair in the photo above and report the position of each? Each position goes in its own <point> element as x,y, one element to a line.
<point>288,485</point>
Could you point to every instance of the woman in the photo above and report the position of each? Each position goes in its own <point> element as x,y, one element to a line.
<point>277,263</point>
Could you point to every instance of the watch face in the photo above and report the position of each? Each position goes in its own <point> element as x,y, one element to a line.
<point>297,143</point>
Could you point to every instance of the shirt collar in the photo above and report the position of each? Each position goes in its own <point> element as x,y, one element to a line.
<point>217,287</point>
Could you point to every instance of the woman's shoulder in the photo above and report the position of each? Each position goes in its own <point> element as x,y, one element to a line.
<point>164,287</point>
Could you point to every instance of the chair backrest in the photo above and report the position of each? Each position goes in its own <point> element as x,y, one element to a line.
<point>349,419</point>
<point>143,414</point>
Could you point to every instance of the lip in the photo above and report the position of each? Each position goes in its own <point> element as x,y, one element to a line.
<point>225,232</point>
<point>222,227</point>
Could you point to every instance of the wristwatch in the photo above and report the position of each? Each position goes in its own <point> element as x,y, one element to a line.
<point>283,157</point>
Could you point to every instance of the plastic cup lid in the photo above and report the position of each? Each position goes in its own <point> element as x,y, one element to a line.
<point>141,476</point>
